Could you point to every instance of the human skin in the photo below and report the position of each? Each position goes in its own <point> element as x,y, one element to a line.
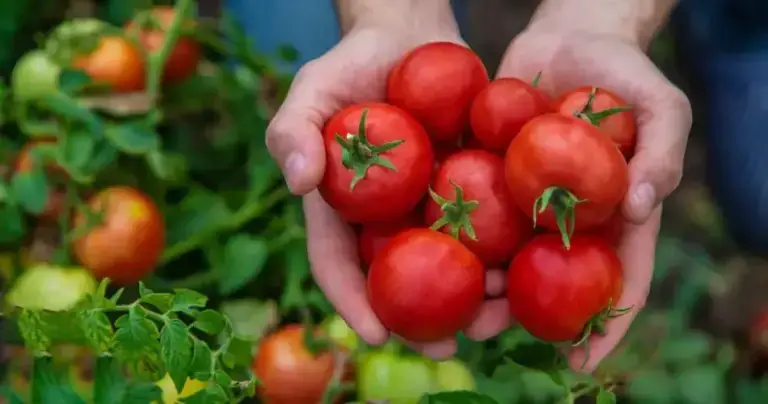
<point>605,41</point>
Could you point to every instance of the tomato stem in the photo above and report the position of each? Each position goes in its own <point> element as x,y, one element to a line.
<point>535,82</point>
<point>358,154</point>
<point>596,118</point>
<point>157,60</point>
<point>596,325</point>
<point>563,204</point>
<point>455,213</point>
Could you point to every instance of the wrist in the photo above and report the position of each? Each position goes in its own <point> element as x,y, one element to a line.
<point>405,16</point>
<point>636,21</point>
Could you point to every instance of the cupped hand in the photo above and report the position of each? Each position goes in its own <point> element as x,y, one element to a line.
<point>571,59</point>
<point>354,71</point>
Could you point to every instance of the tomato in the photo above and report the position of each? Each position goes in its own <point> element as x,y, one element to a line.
<point>340,333</point>
<point>127,244</point>
<point>436,83</point>
<point>289,373</point>
<point>758,332</point>
<point>379,167</point>
<point>172,396</point>
<point>46,287</point>
<point>563,172</point>
<point>611,230</point>
<point>425,285</point>
<point>453,375</point>
<point>471,201</point>
<point>56,197</point>
<point>502,108</point>
<point>183,59</point>
<point>34,76</point>
<point>374,236</point>
<point>398,380</point>
<point>591,104</point>
<point>561,295</point>
<point>116,62</point>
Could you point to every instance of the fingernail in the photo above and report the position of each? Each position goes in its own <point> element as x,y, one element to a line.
<point>292,169</point>
<point>643,199</point>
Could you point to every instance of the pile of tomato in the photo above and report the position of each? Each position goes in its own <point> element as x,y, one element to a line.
<point>455,174</point>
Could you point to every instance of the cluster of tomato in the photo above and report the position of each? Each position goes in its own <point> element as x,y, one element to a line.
<point>455,174</point>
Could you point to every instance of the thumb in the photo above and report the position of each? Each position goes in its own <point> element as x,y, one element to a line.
<point>657,166</point>
<point>294,136</point>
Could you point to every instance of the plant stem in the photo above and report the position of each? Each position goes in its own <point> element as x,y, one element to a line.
<point>158,59</point>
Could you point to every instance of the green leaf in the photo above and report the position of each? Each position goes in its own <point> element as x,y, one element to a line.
<point>162,301</point>
<point>199,212</point>
<point>135,331</point>
<point>702,385</point>
<point>224,380</point>
<point>30,188</point>
<point>133,138</point>
<point>288,53</point>
<point>244,258</point>
<point>67,107</point>
<point>109,384</point>
<point>251,318</point>
<point>32,329</point>
<point>200,367</point>
<point>210,322</point>
<point>688,349</point>
<point>176,351</point>
<point>457,397</point>
<point>213,394</point>
<point>72,80</point>
<point>96,328</point>
<point>652,386</point>
<point>76,149</point>
<point>538,355</point>
<point>605,397</point>
<point>50,385</point>
<point>170,167</point>
<point>14,227</point>
<point>187,301</point>
<point>142,393</point>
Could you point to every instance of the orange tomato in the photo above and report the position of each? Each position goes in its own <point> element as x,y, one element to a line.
<point>116,62</point>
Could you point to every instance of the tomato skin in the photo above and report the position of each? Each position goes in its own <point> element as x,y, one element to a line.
<point>127,244</point>
<point>34,76</point>
<point>340,332</point>
<point>758,332</point>
<point>396,379</point>
<point>501,109</point>
<point>417,263</point>
<point>383,194</point>
<point>116,62</point>
<point>289,373</point>
<point>567,152</point>
<point>374,236</point>
<point>621,127</point>
<point>611,230</point>
<point>436,83</point>
<point>183,59</point>
<point>500,227</point>
<point>554,292</point>
<point>47,287</point>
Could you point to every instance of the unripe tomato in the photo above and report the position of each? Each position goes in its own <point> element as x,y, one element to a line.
<point>46,287</point>
<point>453,375</point>
<point>183,59</point>
<point>116,62</point>
<point>127,244</point>
<point>436,83</point>
<point>425,285</point>
<point>398,380</point>
<point>34,76</point>
<point>340,333</point>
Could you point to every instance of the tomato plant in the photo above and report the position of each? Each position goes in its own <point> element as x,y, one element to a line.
<point>409,268</point>
<point>417,84</point>
<point>565,174</point>
<point>471,202</point>
<point>378,163</point>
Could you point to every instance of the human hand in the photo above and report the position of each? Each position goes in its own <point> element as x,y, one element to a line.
<point>354,71</point>
<point>569,58</point>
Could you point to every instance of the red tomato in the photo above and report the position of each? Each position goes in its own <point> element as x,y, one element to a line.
<point>436,83</point>
<point>611,230</point>
<point>115,62</point>
<point>484,217</point>
<point>758,332</point>
<point>56,197</point>
<point>374,236</point>
<point>620,126</point>
<point>359,181</point>
<point>557,294</point>
<point>500,110</point>
<point>567,159</point>
<point>183,59</point>
<point>289,373</point>
<point>425,285</point>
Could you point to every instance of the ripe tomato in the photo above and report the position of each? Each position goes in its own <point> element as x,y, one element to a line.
<point>115,62</point>
<point>288,371</point>
<point>127,244</point>
<point>593,104</point>
<point>378,163</point>
<point>436,83</point>
<point>56,197</point>
<point>34,76</point>
<point>611,230</point>
<point>425,285</point>
<point>502,108</point>
<point>374,236</point>
<point>561,295</point>
<point>758,332</point>
<point>183,59</point>
<point>563,172</point>
<point>471,201</point>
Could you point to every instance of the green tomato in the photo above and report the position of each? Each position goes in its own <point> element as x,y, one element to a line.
<point>45,287</point>
<point>340,333</point>
<point>399,380</point>
<point>453,375</point>
<point>34,76</point>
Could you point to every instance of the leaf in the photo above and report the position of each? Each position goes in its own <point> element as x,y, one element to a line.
<point>200,367</point>
<point>212,394</point>
<point>135,331</point>
<point>50,386</point>
<point>171,167</point>
<point>32,329</point>
<point>30,188</point>
<point>200,211</point>
<point>133,138</point>
<point>72,80</point>
<point>210,322</point>
<point>67,107</point>
<point>142,393</point>
<point>457,397</point>
<point>538,355</point>
<point>162,301</point>
<point>605,397</point>
<point>251,318</point>
<point>222,379</point>
<point>97,329</point>
<point>13,227</point>
<point>76,149</point>
<point>702,385</point>
<point>653,386</point>
<point>176,351</point>
<point>288,53</point>
<point>244,258</point>
<point>109,384</point>
<point>187,301</point>
<point>687,349</point>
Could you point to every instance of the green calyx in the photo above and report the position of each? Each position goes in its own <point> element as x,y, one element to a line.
<point>563,203</point>
<point>535,82</point>
<point>596,118</point>
<point>596,325</point>
<point>455,213</point>
<point>358,154</point>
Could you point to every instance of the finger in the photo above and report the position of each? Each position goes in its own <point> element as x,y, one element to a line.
<point>434,350</point>
<point>495,282</point>
<point>334,264</point>
<point>294,137</point>
<point>637,252</point>
<point>664,122</point>
<point>493,318</point>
